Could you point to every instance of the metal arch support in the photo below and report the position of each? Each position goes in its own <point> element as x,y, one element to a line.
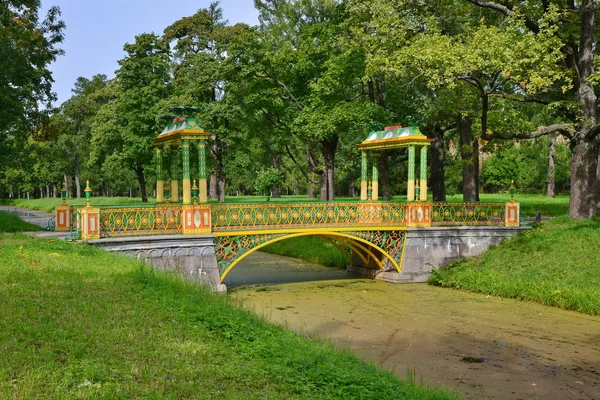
<point>354,248</point>
<point>337,246</point>
<point>269,238</point>
<point>351,243</point>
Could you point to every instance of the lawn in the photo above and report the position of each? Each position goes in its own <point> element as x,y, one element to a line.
<point>78,322</point>
<point>530,203</point>
<point>557,264</point>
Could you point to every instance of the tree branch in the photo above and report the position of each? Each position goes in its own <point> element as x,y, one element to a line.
<point>506,10</point>
<point>541,131</point>
<point>287,90</point>
<point>287,149</point>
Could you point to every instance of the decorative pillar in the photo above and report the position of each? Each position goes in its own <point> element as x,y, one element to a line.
<point>423,196</point>
<point>363,175</point>
<point>512,208</point>
<point>187,187</point>
<point>64,214</point>
<point>174,175</point>
<point>160,183</point>
<point>375,177</point>
<point>203,196</point>
<point>410,192</point>
<point>90,217</point>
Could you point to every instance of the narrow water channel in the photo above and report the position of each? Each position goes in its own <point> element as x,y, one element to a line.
<point>483,347</point>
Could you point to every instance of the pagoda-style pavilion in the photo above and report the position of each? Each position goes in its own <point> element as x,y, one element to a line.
<point>394,137</point>
<point>175,140</point>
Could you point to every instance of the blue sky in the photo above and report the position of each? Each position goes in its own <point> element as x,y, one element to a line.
<point>97,30</point>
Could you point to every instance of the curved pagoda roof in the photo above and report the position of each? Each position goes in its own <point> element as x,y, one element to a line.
<point>394,137</point>
<point>182,128</point>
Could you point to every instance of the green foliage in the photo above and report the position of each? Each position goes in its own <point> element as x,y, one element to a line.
<point>266,180</point>
<point>124,128</point>
<point>28,46</point>
<point>528,166</point>
<point>83,323</point>
<point>555,264</point>
<point>10,222</point>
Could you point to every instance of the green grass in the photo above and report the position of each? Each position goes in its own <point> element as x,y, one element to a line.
<point>48,205</point>
<point>530,203</point>
<point>311,249</point>
<point>556,264</point>
<point>78,322</point>
<point>10,222</point>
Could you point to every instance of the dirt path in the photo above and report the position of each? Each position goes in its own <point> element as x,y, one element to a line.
<point>485,347</point>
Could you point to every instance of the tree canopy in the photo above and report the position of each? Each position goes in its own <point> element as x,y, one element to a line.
<point>288,100</point>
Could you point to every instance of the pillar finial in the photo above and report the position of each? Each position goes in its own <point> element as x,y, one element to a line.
<point>512,190</point>
<point>88,193</point>
<point>195,192</point>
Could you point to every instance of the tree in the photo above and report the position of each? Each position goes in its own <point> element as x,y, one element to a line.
<point>124,128</point>
<point>28,47</point>
<point>201,76</point>
<point>575,27</point>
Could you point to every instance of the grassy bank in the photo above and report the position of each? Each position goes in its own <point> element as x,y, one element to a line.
<point>10,222</point>
<point>556,264</point>
<point>77,322</point>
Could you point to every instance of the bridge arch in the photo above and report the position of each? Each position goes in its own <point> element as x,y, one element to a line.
<point>351,241</point>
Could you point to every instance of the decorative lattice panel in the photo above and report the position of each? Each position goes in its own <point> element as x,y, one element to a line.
<point>229,218</point>
<point>230,248</point>
<point>140,221</point>
<point>390,241</point>
<point>465,214</point>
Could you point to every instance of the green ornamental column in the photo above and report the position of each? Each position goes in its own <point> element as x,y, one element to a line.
<point>187,183</point>
<point>375,177</point>
<point>202,171</point>
<point>363,175</point>
<point>174,174</point>
<point>423,195</point>
<point>410,193</point>
<point>160,182</point>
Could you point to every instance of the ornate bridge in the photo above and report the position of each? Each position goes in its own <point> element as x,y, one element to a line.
<point>370,233</point>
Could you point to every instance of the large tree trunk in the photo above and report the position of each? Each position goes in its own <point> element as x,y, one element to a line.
<point>212,191</point>
<point>328,147</point>
<point>584,148</point>
<point>77,183</point>
<point>324,187</point>
<point>66,183</point>
<point>310,192</point>
<point>276,192</point>
<point>139,172</point>
<point>222,188</point>
<point>551,186</point>
<point>469,150</point>
<point>438,174</point>
<point>351,188</point>
<point>584,166</point>
<point>384,176</point>
<point>598,183</point>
